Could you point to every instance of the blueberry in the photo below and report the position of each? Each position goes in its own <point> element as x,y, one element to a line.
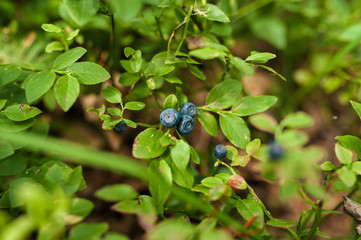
<point>220,151</point>
<point>186,124</point>
<point>275,150</point>
<point>120,127</point>
<point>169,117</point>
<point>188,109</point>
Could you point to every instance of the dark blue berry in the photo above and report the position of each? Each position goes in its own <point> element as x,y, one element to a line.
<point>220,151</point>
<point>169,118</point>
<point>120,127</point>
<point>186,124</point>
<point>188,109</point>
<point>275,150</point>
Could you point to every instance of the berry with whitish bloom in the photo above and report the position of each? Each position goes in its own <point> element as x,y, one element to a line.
<point>188,109</point>
<point>275,150</point>
<point>186,124</point>
<point>169,117</point>
<point>220,151</point>
<point>120,127</point>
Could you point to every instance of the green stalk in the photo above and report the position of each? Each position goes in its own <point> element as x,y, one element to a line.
<point>316,223</point>
<point>184,34</point>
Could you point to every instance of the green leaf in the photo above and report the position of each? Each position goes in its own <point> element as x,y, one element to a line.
<point>223,176</point>
<point>114,111</point>
<point>116,192</point>
<point>194,155</point>
<point>112,94</point>
<point>39,84</point>
<point>51,28</point>
<point>183,178</point>
<point>171,229</point>
<point>297,120</point>
<point>208,122</point>
<point>249,208</point>
<point>214,234</point>
<point>6,150</point>
<point>128,51</point>
<point>130,123</point>
<point>88,72</point>
<point>136,61</point>
<point>237,182</point>
<point>292,138</point>
<point>356,167</point>
<point>172,79</point>
<point>212,12</point>
<point>351,33</point>
<point>127,206</point>
<point>281,223</point>
<point>54,46</point>
<point>160,176</point>
<point>211,181</point>
<point>235,129</point>
<point>146,144</point>
<point>260,57</point>
<point>327,166</point>
<point>264,122</point>
<point>21,112</point>
<point>347,176</point>
<point>50,100</point>
<point>224,94</point>
<point>242,66</point>
<point>16,187</point>
<point>253,146</point>
<point>126,10</point>
<point>66,91</point>
<point>219,191</point>
<point>81,208</point>
<point>357,107</point>
<point>88,231</point>
<point>134,105</point>
<point>207,53</point>
<point>128,79</point>
<point>69,57</point>
<point>170,101</point>
<point>2,103</point>
<point>71,35</point>
<point>9,73</point>
<point>7,125</point>
<point>180,154</point>
<point>343,154</point>
<point>351,142</point>
<point>251,105</point>
<point>115,236</point>
<point>196,72</point>
<point>81,11</point>
<point>272,30</point>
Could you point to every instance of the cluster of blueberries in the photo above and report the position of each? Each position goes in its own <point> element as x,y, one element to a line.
<point>185,123</point>
<point>183,120</point>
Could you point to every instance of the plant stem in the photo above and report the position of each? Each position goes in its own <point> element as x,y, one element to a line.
<point>258,200</point>
<point>225,164</point>
<point>317,222</point>
<point>184,34</point>
<point>147,125</point>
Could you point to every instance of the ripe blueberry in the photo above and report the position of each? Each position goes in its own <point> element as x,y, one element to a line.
<point>188,109</point>
<point>275,150</point>
<point>169,117</point>
<point>220,151</point>
<point>186,124</point>
<point>120,127</point>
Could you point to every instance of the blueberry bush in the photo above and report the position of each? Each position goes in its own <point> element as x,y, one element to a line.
<point>180,119</point>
